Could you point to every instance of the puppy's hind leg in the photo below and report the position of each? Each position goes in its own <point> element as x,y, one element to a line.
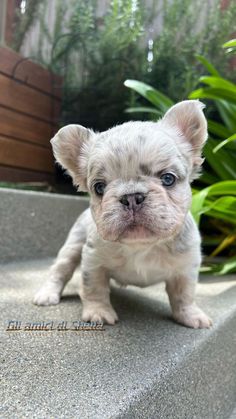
<point>63,268</point>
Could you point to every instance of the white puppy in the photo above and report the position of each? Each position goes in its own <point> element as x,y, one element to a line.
<point>138,229</point>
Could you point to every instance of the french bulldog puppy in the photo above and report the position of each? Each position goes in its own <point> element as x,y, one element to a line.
<point>138,229</point>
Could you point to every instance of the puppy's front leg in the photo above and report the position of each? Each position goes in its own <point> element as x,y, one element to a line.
<point>64,266</point>
<point>94,292</point>
<point>181,291</point>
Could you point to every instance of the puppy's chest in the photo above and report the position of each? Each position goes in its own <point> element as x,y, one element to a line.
<point>144,268</point>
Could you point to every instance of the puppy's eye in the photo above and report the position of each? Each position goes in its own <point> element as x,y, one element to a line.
<point>168,179</point>
<point>99,188</point>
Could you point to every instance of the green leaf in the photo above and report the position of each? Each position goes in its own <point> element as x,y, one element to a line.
<point>157,99</point>
<point>221,268</point>
<point>221,215</point>
<point>144,109</point>
<point>198,200</point>
<point>230,44</point>
<point>213,93</point>
<point>223,163</point>
<point>228,114</point>
<point>223,208</point>
<point>224,188</point>
<point>207,65</point>
<point>224,143</point>
<point>219,83</point>
<point>218,129</point>
<point>227,267</point>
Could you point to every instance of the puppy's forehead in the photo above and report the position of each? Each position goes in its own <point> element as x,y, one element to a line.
<point>132,149</point>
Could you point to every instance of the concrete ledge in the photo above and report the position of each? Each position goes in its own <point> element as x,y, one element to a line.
<point>35,224</point>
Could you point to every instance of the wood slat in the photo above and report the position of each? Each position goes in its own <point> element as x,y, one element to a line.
<point>35,74</point>
<point>11,174</point>
<point>10,9</point>
<point>25,99</point>
<point>21,155</point>
<point>13,124</point>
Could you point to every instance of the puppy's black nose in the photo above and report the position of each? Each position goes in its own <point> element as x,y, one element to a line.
<point>132,201</point>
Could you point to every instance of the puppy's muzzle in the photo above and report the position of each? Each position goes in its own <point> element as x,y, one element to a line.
<point>132,201</point>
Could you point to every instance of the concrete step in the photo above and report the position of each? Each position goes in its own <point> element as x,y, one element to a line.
<point>35,224</point>
<point>146,366</point>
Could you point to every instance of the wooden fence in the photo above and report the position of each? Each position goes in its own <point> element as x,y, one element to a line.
<point>30,98</point>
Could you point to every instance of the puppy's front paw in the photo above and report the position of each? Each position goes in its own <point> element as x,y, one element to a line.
<point>47,296</point>
<point>97,312</point>
<point>192,316</point>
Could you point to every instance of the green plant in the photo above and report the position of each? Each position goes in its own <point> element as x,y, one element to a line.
<point>214,206</point>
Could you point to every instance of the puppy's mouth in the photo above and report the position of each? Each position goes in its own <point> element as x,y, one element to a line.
<point>144,227</point>
<point>136,232</point>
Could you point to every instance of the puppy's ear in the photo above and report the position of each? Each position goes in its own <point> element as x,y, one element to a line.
<point>189,120</point>
<point>71,146</point>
